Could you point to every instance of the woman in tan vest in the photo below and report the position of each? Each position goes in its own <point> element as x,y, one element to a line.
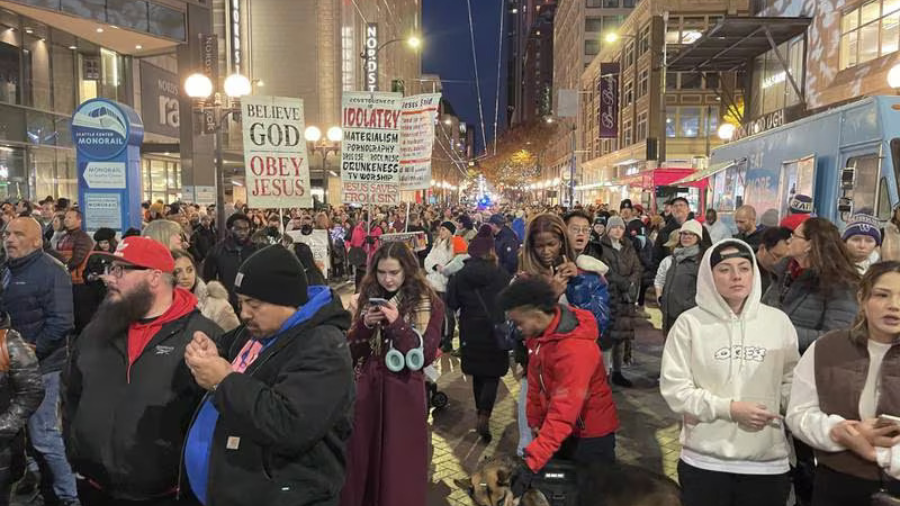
<point>845,381</point>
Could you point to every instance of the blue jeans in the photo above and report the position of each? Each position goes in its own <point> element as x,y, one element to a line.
<point>525,435</point>
<point>47,440</point>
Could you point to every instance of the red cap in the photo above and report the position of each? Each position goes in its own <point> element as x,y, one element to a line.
<point>143,252</point>
<point>793,221</point>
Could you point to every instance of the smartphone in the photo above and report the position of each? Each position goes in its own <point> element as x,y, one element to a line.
<point>888,420</point>
<point>375,301</point>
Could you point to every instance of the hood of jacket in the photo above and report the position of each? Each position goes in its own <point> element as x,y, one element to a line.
<point>591,264</point>
<point>708,297</point>
<point>570,323</point>
<point>216,290</point>
<point>479,273</point>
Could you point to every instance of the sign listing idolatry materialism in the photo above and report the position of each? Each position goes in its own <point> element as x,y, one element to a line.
<point>370,153</point>
<point>387,145</point>
<point>277,166</point>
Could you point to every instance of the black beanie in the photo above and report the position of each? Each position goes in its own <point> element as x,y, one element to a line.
<point>450,227</point>
<point>274,275</point>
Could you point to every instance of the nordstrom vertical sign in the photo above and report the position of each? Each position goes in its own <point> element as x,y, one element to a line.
<point>372,57</point>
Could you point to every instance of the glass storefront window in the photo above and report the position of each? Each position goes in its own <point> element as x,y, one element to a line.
<point>112,75</point>
<point>91,9</point>
<point>12,164</point>
<point>167,22</point>
<point>128,13</point>
<point>63,79</point>
<point>37,71</point>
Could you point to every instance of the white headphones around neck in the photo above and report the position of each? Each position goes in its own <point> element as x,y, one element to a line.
<point>414,359</point>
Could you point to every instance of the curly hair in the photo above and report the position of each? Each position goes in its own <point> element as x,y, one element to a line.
<point>414,288</point>
<point>828,255</point>
<point>529,261</point>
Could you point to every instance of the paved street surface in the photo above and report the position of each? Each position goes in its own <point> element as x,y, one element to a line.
<point>648,436</point>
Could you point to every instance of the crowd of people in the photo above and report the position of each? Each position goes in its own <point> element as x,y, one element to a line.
<point>169,365</point>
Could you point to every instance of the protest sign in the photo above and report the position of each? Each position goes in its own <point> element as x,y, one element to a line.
<point>417,140</point>
<point>277,166</point>
<point>318,243</point>
<point>415,240</point>
<point>370,153</point>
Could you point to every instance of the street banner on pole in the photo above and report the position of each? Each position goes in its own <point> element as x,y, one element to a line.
<point>417,140</point>
<point>370,152</point>
<point>608,114</point>
<point>277,166</point>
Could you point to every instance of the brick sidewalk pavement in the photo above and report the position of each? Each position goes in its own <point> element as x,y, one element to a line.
<point>648,436</point>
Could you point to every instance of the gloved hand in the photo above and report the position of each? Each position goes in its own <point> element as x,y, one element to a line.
<point>522,478</point>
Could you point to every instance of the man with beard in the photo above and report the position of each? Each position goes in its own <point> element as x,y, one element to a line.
<point>38,298</point>
<point>128,395</point>
<point>224,259</point>
<point>281,393</point>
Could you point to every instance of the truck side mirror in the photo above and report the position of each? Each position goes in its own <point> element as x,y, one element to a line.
<point>848,178</point>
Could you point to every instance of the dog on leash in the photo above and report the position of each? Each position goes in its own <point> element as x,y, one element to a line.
<point>600,485</point>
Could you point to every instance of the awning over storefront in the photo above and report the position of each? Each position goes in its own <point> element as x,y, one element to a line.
<point>650,179</point>
<point>734,42</point>
<point>707,172</point>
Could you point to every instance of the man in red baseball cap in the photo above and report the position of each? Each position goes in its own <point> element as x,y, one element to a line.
<point>128,395</point>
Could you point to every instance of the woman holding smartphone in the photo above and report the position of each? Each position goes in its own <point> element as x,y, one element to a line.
<point>844,384</point>
<point>548,254</point>
<point>397,310</point>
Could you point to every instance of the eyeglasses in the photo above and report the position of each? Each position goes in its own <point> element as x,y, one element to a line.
<point>118,270</point>
<point>580,230</point>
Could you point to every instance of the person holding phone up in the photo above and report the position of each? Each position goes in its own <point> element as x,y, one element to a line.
<point>846,397</point>
<point>395,334</point>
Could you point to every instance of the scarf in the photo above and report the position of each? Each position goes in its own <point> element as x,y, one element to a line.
<point>684,253</point>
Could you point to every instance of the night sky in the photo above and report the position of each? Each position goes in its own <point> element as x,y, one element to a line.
<point>448,53</point>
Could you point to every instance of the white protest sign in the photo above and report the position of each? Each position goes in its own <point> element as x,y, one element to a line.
<point>370,152</point>
<point>417,140</point>
<point>277,166</point>
<point>318,243</point>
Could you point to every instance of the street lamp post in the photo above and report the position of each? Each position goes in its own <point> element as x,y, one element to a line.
<point>200,88</point>
<point>331,143</point>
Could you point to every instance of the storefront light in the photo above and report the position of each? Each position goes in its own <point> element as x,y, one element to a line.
<point>335,134</point>
<point>312,134</point>
<point>726,131</point>
<point>893,77</point>
<point>198,86</point>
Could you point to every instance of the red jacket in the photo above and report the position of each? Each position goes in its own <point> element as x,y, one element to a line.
<point>567,390</point>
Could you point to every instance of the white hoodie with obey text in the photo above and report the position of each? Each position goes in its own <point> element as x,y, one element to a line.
<point>713,357</point>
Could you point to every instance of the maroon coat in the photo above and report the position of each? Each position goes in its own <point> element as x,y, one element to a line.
<point>387,457</point>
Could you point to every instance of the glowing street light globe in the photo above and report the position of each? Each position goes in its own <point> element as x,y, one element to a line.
<point>312,134</point>
<point>893,77</point>
<point>198,86</point>
<point>237,86</point>
<point>335,134</point>
<point>726,131</point>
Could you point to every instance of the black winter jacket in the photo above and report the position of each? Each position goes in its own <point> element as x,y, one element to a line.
<point>125,431</point>
<point>293,412</point>
<point>21,390</point>
<point>38,300</point>
<point>506,244</point>
<point>480,354</point>
<point>222,264</point>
